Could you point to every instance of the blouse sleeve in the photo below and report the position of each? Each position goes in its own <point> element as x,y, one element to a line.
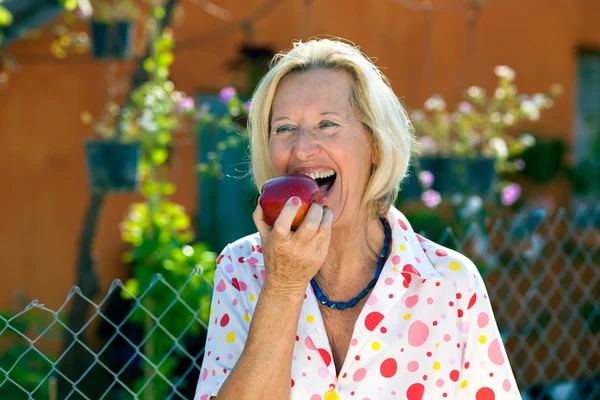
<point>227,328</point>
<point>486,372</point>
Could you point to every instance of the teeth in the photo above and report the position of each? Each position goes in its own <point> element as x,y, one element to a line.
<point>320,175</point>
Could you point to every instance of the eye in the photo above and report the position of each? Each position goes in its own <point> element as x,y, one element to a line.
<point>328,124</point>
<point>284,128</point>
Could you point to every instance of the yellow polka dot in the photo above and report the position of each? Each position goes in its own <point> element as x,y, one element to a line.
<point>402,247</point>
<point>310,318</point>
<point>454,266</point>
<point>211,312</point>
<point>252,297</point>
<point>376,346</point>
<point>230,337</point>
<point>407,317</point>
<point>246,317</point>
<point>436,365</point>
<point>331,395</point>
<point>464,384</point>
<point>482,339</point>
<point>437,345</point>
<point>394,269</point>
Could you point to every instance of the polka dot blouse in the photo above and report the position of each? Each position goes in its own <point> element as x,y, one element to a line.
<point>427,330</point>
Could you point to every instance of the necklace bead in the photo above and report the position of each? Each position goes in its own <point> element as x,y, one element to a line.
<point>340,305</point>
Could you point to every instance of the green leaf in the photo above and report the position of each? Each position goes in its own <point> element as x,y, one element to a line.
<point>6,18</point>
<point>131,290</point>
<point>159,156</point>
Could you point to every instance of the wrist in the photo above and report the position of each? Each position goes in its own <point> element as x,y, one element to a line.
<point>279,288</point>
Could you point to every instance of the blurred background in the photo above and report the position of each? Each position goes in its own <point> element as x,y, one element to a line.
<point>124,170</point>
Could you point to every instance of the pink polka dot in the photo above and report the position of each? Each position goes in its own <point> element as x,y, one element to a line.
<point>443,316</point>
<point>235,302</point>
<point>372,300</point>
<point>506,385</point>
<point>316,397</point>
<point>495,352</point>
<point>309,344</point>
<point>411,301</point>
<point>229,268</point>
<point>229,356</point>
<point>359,375</point>
<point>221,286</point>
<point>463,327</point>
<point>439,383</point>
<point>323,372</point>
<point>418,333</point>
<point>396,260</point>
<point>447,338</point>
<point>429,300</point>
<point>354,342</point>
<point>204,374</point>
<point>389,281</point>
<point>204,397</point>
<point>482,320</point>
<point>412,366</point>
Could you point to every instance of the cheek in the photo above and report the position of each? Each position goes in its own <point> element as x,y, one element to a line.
<point>279,157</point>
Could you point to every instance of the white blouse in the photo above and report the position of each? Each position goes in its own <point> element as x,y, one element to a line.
<point>427,330</point>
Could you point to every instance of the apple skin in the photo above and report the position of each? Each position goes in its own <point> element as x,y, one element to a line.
<point>277,191</point>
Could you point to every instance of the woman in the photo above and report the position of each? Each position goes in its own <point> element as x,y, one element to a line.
<point>353,304</point>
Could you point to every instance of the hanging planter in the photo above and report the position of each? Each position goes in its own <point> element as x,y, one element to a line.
<point>112,166</point>
<point>111,39</point>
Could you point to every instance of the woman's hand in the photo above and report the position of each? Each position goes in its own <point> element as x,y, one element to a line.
<point>292,259</point>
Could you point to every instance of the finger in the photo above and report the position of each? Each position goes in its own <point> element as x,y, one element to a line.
<point>310,225</point>
<point>283,224</point>
<point>259,220</point>
<point>326,222</point>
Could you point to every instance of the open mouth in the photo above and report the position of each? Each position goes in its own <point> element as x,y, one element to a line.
<point>325,180</point>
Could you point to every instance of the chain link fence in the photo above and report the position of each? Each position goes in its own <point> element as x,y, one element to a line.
<point>542,272</point>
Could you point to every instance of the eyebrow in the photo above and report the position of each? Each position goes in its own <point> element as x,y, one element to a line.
<point>322,114</point>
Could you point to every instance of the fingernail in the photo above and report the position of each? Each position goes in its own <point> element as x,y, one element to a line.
<point>295,200</point>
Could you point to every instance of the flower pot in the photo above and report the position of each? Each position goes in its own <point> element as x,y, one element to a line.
<point>112,166</point>
<point>475,176</point>
<point>111,39</point>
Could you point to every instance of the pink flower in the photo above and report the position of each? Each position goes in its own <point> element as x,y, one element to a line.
<point>247,106</point>
<point>186,104</point>
<point>426,178</point>
<point>465,107</point>
<point>510,194</point>
<point>227,94</point>
<point>431,198</point>
<point>427,142</point>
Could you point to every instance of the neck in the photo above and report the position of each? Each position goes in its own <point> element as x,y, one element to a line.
<point>352,258</point>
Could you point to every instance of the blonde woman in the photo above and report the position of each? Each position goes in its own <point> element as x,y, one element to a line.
<point>353,304</point>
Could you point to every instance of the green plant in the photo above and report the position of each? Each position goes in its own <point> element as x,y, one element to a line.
<point>480,124</point>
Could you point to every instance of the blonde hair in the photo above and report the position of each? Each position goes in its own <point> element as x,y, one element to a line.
<point>372,99</point>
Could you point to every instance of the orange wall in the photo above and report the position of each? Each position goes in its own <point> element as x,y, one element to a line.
<point>42,173</point>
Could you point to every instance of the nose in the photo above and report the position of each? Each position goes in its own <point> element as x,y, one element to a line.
<point>306,146</point>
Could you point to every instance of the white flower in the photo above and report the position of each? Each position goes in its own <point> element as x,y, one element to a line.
<point>495,117</point>
<point>418,115</point>
<point>435,102</point>
<point>472,206</point>
<point>499,146</point>
<point>475,92</point>
<point>539,100</point>
<point>500,93</point>
<point>527,139</point>
<point>530,109</point>
<point>503,71</point>
<point>508,119</point>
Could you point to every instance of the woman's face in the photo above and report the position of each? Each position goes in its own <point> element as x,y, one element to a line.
<point>315,131</point>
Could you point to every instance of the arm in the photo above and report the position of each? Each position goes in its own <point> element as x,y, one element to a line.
<point>485,366</point>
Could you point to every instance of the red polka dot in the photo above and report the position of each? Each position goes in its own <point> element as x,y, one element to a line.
<point>297,338</point>
<point>437,284</point>
<point>444,394</point>
<point>451,304</point>
<point>293,383</point>
<point>391,296</point>
<point>435,323</point>
<point>458,296</point>
<point>485,393</point>
<point>415,392</point>
<point>428,354</point>
<point>383,329</point>
<point>460,313</point>
<point>326,356</point>
<point>440,253</point>
<point>345,375</point>
<point>467,365</point>
<point>372,320</point>
<point>357,358</point>
<point>454,375</point>
<point>410,269</point>
<point>424,377</point>
<point>241,260</point>
<point>388,368</point>
<point>472,301</point>
<point>225,320</point>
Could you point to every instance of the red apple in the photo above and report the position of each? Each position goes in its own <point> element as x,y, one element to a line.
<point>277,191</point>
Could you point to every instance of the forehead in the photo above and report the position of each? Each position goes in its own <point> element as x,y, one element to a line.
<point>313,89</point>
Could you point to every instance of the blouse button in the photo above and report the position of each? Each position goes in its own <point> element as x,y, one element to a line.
<point>331,395</point>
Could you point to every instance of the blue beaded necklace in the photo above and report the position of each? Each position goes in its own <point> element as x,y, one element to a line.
<point>340,305</point>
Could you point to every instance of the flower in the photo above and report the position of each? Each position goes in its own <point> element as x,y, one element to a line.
<point>186,104</point>
<point>247,106</point>
<point>510,194</point>
<point>499,146</point>
<point>520,165</point>
<point>502,71</point>
<point>431,198</point>
<point>435,102</point>
<point>227,94</point>
<point>465,107</point>
<point>426,178</point>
